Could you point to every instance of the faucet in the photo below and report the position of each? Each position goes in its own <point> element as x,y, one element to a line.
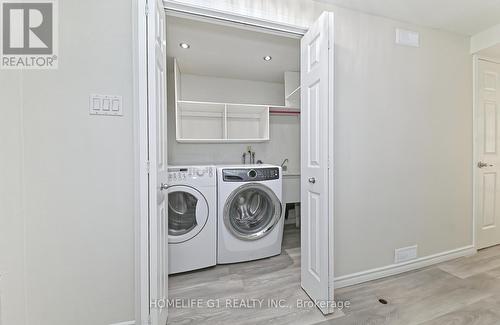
<point>251,157</point>
<point>250,154</point>
<point>283,164</point>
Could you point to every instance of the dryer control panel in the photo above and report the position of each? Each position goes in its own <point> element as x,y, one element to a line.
<point>250,174</point>
<point>182,174</point>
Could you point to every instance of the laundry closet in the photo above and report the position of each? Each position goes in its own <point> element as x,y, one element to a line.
<point>233,112</point>
<point>234,97</point>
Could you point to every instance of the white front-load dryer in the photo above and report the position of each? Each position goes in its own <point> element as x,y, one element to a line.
<point>249,222</point>
<point>192,218</point>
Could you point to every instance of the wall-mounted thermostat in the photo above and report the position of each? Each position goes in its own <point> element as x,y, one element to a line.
<point>105,105</point>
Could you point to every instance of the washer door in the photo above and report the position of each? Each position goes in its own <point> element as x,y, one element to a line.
<point>187,213</point>
<point>251,211</point>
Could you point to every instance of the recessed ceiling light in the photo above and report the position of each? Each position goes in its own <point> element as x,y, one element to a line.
<point>185,45</point>
<point>267,58</point>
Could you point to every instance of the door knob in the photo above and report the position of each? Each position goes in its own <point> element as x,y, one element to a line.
<point>483,164</point>
<point>163,186</point>
<point>312,180</point>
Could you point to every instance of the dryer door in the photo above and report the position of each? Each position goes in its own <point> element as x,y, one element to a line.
<point>187,213</point>
<point>251,211</point>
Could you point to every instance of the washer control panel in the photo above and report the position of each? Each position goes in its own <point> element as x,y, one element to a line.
<point>250,174</point>
<point>195,172</point>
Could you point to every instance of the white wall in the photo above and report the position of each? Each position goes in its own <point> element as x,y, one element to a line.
<point>284,130</point>
<point>403,143</point>
<point>205,88</point>
<point>12,246</point>
<point>77,177</point>
<point>403,133</point>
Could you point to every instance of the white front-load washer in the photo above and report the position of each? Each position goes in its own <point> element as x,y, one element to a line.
<point>192,218</point>
<point>249,222</point>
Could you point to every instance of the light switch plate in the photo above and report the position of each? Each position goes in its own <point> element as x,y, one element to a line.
<point>105,105</point>
<point>407,37</point>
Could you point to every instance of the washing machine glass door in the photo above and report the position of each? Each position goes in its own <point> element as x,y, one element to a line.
<point>187,213</point>
<point>251,211</point>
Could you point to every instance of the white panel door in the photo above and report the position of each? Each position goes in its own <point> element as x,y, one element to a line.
<point>158,218</point>
<point>488,164</point>
<point>316,156</point>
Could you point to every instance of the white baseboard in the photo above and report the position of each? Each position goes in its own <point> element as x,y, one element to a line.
<point>130,322</point>
<point>382,272</point>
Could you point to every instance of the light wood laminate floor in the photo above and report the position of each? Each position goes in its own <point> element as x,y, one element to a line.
<point>463,291</point>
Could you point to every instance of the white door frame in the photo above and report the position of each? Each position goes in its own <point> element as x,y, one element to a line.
<point>475,156</point>
<point>141,199</point>
<point>225,17</point>
<point>141,123</point>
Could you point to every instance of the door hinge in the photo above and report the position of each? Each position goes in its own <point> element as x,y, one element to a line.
<point>146,9</point>
<point>148,166</point>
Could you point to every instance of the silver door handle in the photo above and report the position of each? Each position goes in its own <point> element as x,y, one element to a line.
<point>312,180</point>
<point>483,164</point>
<point>163,186</point>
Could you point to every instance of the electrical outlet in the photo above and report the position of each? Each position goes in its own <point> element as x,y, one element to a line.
<point>405,254</point>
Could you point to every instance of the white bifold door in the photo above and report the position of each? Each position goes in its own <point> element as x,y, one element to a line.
<point>157,124</point>
<point>487,152</point>
<point>317,70</point>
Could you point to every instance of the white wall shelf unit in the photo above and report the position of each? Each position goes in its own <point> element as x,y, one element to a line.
<point>200,121</point>
<point>208,122</point>
<point>249,123</point>
<point>218,122</point>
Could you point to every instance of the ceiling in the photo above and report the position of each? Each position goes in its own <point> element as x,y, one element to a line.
<point>466,17</point>
<point>492,52</point>
<point>230,52</point>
